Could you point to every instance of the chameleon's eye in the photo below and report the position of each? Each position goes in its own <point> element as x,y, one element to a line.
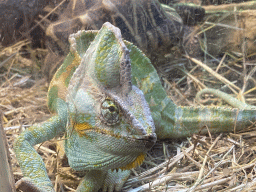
<point>109,112</point>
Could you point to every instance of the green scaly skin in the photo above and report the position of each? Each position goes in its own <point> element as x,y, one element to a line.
<point>105,117</point>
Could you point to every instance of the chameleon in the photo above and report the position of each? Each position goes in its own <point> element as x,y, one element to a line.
<point>111,108</point>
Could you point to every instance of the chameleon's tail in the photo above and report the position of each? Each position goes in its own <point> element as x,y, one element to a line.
<point>215,119</point>
<point>189,120</point>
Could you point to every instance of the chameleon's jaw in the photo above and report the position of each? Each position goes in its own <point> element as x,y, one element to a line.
<point>108,152</point>
<point>147,140</point>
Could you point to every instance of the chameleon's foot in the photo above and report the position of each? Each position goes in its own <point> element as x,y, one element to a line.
<point>109,181</point>
<point>26,184</point>
<point>115,180</point>
<point>92,181</point>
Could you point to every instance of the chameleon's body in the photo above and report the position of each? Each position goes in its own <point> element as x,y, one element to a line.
<point>105,117</point>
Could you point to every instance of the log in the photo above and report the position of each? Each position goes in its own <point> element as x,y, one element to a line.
<point>6,176</point>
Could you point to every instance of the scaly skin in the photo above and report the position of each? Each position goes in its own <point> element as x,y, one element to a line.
<point>105,117</point>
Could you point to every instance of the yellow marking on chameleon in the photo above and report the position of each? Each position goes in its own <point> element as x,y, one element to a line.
<point>60,82</point>
<point>146,84</point>
<point>108,132</point>
<point>80,127</point>
<point>137,162</point>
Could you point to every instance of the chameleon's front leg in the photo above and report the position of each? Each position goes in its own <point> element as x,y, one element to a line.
<point>31,163</point>
<point>115,180</point>
<point>110,180</point>
<point>92,181</point>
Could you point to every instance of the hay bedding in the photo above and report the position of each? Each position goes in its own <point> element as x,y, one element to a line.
<point>221,162</point>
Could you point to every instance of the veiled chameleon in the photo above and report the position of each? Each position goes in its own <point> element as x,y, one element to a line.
<point>108,99</point>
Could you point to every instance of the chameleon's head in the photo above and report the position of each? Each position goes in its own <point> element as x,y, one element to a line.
<point>110,121</point>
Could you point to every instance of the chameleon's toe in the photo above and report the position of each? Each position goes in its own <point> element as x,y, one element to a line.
<point>115,180</point>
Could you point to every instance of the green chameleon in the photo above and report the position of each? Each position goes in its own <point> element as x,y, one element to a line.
<point>111,107</point>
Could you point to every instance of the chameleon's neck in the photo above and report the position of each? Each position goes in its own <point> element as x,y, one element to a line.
<point>185,121</point>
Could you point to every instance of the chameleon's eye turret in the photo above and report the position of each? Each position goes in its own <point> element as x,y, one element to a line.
<point>109,112</point>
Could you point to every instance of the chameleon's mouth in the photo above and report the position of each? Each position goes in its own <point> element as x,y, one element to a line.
<point>149,140</point>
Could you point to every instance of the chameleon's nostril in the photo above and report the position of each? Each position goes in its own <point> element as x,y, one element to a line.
<point>150,140</point>
<point>152,137</point>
